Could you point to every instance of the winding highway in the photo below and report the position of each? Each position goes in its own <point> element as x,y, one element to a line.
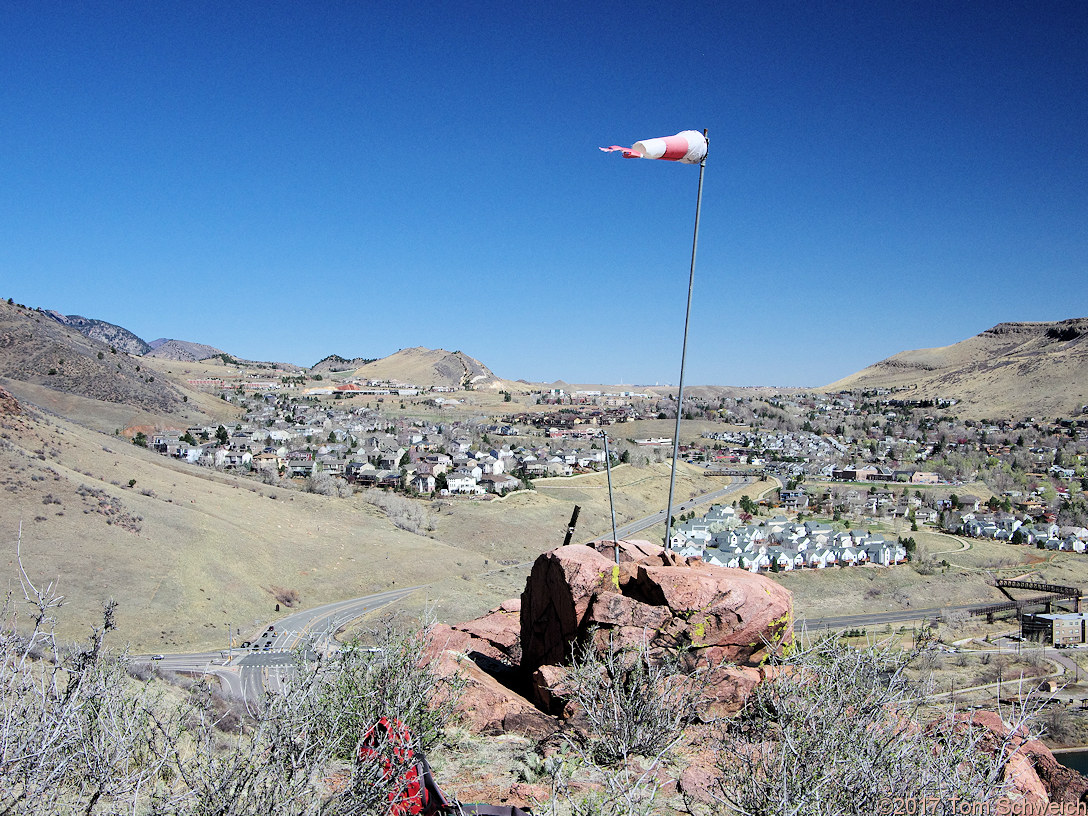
<point>247,673</point>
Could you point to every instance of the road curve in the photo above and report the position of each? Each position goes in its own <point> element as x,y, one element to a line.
<point>247,673</point>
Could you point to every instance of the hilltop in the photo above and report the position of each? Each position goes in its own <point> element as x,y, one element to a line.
<point>336,363</point>
<point>1013,369</point>
<point>430,367</point>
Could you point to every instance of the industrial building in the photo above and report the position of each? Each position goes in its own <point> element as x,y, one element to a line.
<point>1056,629</point>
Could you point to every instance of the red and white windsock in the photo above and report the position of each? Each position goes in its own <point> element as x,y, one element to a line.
<point>687,147</point>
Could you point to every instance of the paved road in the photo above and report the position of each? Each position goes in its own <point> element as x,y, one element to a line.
<point>881,618</point>
<point>246,674</point>
<point>875,618</point>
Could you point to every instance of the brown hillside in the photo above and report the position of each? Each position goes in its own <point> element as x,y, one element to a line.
<point>37,350</point>
<point>430,367</point>
<point>186,550</point>
<point>1016,369</point>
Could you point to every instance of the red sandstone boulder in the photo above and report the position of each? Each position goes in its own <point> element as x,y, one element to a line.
<point>443,638</point>
<point>727,688</point>
<point>500,627</point>
<point>548,689</point>
<point>557,594</point>
<point>486,705</point>
<point>733,610</point>
<point>638,551</point>
<point>652,596</point>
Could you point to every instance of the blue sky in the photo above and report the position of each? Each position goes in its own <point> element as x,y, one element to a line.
<point>290,180</point>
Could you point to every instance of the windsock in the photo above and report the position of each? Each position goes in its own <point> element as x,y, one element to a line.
<point>687,147</point>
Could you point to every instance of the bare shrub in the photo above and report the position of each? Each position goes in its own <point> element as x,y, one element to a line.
<point>954,619</point>
<point>390,679</point>
<point>580,788</point>
<point>283,595</point>
<point>79,736</point>
<point>632,709</point>
<point>839,731</point>
<point>924,564</point>
<point>321,483</point>
<point>75,734</point>
<point>632,703</point>
<point>405,513</point>
<point>1059,722</point>
<point>283,767</point>
<point>269,476</point>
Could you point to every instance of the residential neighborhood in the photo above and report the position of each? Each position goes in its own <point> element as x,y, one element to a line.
<point>720,537</point>
<point>853,455</point>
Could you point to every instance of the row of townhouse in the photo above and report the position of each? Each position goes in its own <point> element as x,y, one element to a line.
<point>719,538</point>
<point>756,558</point>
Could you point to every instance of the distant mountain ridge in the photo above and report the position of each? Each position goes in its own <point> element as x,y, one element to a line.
<point>110,334</point>
<point>183,351</point>
<point>38,349</point>
<point>1018,369</point>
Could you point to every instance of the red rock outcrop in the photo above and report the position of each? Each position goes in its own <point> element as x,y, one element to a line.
<point>9,406</point>
<point>501,627</point>
<point>486,705</point>
<point>651,596</point>
<point>1035,773</point>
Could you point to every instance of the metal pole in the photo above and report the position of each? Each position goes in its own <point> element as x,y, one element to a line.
<point>684,354</point>
<point>611,503</point>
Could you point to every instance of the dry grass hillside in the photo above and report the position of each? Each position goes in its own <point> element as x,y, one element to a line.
<point>1012,369</point>
<point>429,367</point>
<point>187,550</point>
